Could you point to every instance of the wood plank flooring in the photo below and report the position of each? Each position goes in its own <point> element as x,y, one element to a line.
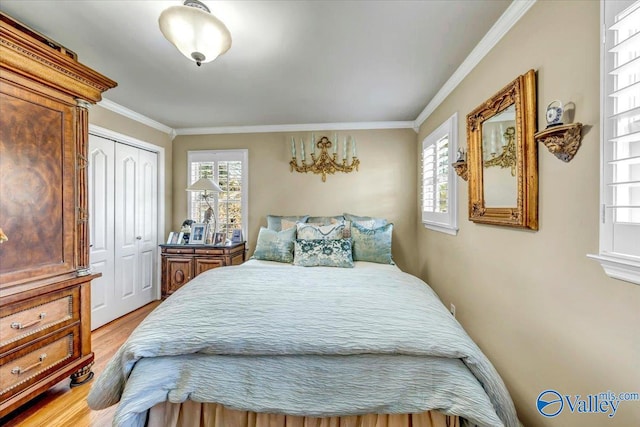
<point>62,406</point>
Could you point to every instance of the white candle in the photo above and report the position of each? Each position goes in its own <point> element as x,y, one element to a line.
<point>353,147</point>
<point>302,148</point>
<point>293,148</point>
<point>312,144</point>
<point>344,149</point>
<point>335,143</point>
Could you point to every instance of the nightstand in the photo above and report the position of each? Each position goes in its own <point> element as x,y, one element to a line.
<point>181,263</point>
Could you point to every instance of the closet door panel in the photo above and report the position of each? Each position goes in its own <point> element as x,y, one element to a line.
<point>126,233</point>
<point>101,233</point>
<point>147,217</point>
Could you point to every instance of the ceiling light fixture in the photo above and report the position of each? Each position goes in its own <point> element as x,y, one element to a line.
<point>194,31</point>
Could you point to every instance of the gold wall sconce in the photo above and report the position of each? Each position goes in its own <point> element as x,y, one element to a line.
<point>325,163</point>
<point>460,165</point>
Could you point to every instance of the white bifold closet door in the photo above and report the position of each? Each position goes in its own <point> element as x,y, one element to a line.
<point>123,201</point>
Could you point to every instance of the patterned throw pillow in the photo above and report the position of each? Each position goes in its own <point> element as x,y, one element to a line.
<point>325,220</point>
<point>275,245</point>
<point>311,231</point>
<point>373,245</point>
<point>366,220</point>
<point>322,252</point>
<point>274,222</point>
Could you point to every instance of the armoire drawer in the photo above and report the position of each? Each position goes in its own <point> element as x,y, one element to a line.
<point>20,369</point>
<point>20,322</point>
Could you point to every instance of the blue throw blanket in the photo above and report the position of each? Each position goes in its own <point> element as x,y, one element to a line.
<point>317,341</point>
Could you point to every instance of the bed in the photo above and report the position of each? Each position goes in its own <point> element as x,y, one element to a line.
<point>242,346</point>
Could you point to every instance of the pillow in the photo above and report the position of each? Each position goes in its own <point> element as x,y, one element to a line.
<point>366,220</point>
<point>373,245</point>
<point>325,220</point>
<point>323,252</point>
<point>370,223</point>
<point>274,222</point>
<point>327,232</point>
<point>275,245</point>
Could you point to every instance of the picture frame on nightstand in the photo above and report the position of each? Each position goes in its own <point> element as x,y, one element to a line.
<point>198,234</point>
<point>236,237</point>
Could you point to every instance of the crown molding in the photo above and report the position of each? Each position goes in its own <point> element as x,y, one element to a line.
<point>124,111</point>
<point>296,128</point>
<point>507,20</point>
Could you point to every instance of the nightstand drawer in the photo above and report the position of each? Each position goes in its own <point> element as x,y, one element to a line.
<point>46,312</point>
<point>210,251</point>
<point>22,368</point>
<point>184,250</point>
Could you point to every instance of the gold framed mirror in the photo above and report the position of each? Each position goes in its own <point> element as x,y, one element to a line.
<point>503,158</point>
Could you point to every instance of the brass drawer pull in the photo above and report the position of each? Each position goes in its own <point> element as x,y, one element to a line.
<point>18,325</point>
<point>20,371</point>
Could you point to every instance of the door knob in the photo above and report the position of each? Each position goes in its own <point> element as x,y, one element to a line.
<point>138,237</point>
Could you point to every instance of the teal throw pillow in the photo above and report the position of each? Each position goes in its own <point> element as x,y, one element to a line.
<point>372,245</point>
<point>274,222</point>
<point>275,245</point>
<point>323,253</point>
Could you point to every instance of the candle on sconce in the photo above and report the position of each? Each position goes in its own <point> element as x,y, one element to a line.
<point>293,148</point>
<point>302,148</point>
<point>344,149</point>
<point>353,146</point>
<point>335,143</point>
<point>312,144</point>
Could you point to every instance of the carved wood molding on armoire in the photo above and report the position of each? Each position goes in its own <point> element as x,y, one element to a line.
<point>45,282</point>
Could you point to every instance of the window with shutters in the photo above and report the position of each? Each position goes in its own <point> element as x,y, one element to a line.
<point>229,169</point>
<point>439,185</point>
<point>620,153</point>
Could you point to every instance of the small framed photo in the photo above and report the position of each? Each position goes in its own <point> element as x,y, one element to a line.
<point>175,238</point>
<point>198,234</point>
<point>219,239</point>
<point>236,237</point>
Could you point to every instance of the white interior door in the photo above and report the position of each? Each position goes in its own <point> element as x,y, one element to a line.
<point>101,228</point>
<point>124,213</point>
<point>147,225</point>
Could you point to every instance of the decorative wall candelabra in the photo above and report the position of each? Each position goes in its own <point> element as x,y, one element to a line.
<point>325,163</point>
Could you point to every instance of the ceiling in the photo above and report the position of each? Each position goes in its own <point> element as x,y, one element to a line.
<point>290,63</point>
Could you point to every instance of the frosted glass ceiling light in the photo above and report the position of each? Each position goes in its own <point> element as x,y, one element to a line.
<point>194,31</point>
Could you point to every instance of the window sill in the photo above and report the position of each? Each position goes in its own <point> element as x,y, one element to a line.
<point>619,268</point>
<point>441,228</point>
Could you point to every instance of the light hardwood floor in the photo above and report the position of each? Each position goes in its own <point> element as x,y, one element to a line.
<point>62,406</point>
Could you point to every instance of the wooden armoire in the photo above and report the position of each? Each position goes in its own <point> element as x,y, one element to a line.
<point>45,282</point>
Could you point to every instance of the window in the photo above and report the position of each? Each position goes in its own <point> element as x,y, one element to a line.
<point>228,168</point>
<point>439,201</point>
<point>620,141</point>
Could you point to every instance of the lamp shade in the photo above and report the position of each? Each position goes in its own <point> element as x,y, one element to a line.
<point>204,184</point>
<point>194,31</point>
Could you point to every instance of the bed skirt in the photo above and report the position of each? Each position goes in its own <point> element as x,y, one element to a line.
<point>195,414</point>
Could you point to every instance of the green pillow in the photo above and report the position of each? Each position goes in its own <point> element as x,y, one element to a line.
<point>274,222</point>
<point>275,245</point>
<point>372,244</point>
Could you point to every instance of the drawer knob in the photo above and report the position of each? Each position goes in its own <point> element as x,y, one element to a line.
<point>18,325</point>
<point>20,371</point>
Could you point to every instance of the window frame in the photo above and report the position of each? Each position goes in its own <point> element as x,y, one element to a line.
<point>216,156</point>
<point>437,221</point>
<point>616,265</point>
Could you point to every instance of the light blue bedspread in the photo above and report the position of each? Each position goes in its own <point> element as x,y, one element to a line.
<point>314,341</point>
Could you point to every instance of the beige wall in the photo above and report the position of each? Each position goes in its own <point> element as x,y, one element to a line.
<point>547,317</point>
<point>385,186</point>
<point>107,119</point>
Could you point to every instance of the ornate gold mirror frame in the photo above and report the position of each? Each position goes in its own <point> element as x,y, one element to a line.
<point>517,156</point>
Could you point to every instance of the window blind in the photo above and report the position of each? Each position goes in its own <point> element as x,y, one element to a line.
<point>621,129</point>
